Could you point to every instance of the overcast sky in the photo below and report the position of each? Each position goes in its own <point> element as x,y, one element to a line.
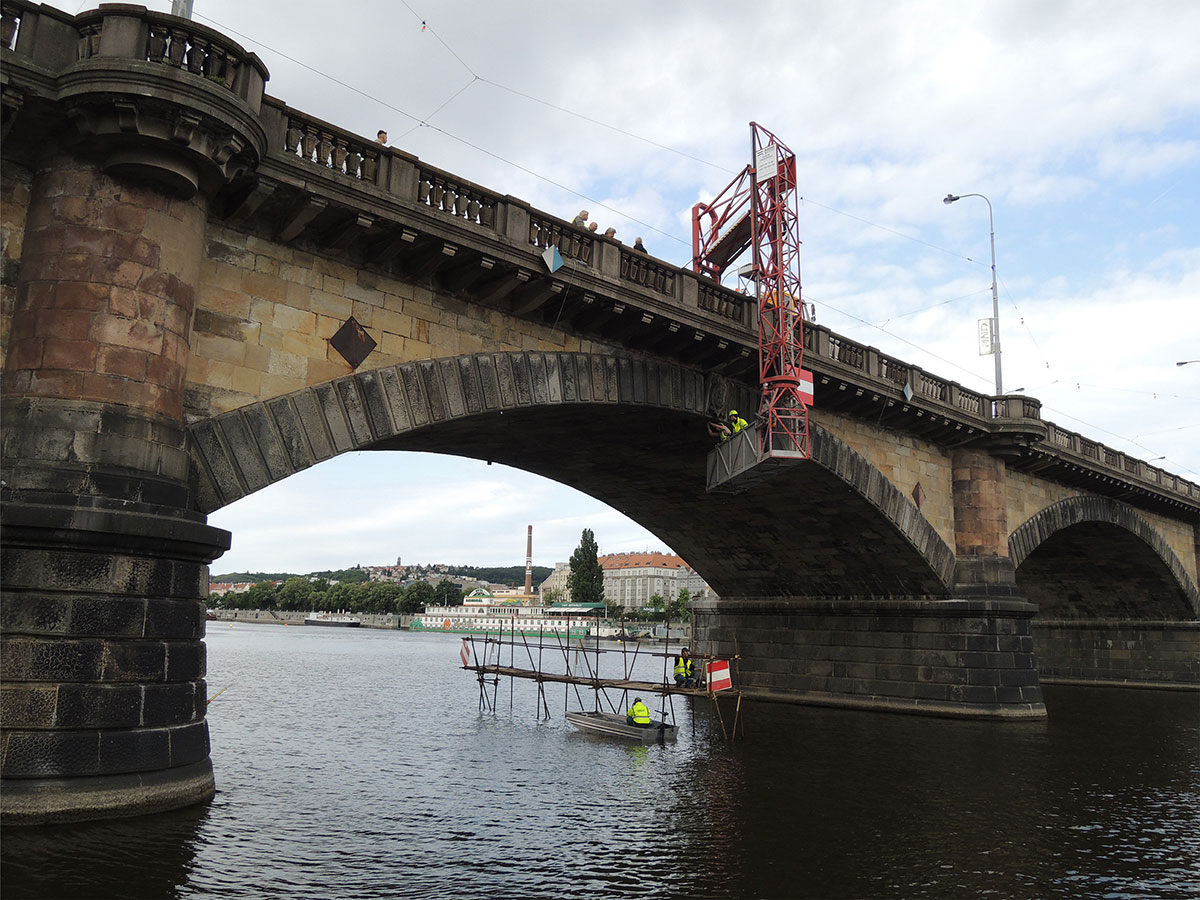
<point>1078,120</point>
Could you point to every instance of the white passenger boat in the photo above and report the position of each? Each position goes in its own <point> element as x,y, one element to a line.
<point>483,613</point>
<point>337,620</point>
<point>615,725</point>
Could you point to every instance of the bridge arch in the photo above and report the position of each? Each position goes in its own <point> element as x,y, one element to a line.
<point>590,421</point>
<point>1095,557</point>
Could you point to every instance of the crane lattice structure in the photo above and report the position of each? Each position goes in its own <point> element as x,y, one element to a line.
<point>758,211</point>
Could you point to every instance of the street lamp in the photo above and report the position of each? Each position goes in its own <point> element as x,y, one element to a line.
<point>1186,362</point>
<point>950,198</point>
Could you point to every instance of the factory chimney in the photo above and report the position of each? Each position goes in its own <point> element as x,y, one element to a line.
<point>529,564</point>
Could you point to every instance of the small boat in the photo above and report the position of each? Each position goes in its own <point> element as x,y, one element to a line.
<point>333,619</point>
<point>615,725</point>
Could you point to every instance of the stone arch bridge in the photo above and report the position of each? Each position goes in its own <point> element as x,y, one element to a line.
<point>205,291</point>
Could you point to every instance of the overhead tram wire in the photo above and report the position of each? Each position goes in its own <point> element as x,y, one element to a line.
<point>476,77</point>
<point>423,122</point>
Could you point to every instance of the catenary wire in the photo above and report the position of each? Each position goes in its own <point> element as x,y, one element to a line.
<point>423,122</point>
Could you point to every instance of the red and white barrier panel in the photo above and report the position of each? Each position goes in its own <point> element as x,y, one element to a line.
<point>718,675</point>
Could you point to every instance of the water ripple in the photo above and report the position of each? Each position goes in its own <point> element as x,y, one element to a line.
<point>354,764</point>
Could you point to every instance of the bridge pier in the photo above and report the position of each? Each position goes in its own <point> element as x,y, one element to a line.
<point>969,658</point>
<point>104,565</point>
<point>104,568</point>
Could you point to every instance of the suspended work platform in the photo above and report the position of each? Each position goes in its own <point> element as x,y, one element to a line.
<point>745,459</point>
<point>575,664</point>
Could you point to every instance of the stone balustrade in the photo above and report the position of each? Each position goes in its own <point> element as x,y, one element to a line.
<point>572,243</point>
<point>124,31</point>
<point>322,144</point>
<point>455,197</point>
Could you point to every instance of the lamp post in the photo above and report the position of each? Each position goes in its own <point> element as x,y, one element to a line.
<point>1187,362</point>
<point>948,199</point>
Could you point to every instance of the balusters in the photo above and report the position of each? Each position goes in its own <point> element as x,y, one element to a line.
<point>10,22</point>
<point>196,54</point>
<point>177,47</point>
<point>89,41</point>
<point>340,154</point>
<point>156,44</point>
<point>324,148</point>
<point>309,145</point>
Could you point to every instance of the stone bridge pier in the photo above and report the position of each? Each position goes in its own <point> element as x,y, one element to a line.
<point>104,558</point>
<point>916,626</point>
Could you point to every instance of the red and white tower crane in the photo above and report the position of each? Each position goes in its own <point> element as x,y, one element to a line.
<point>758,211</point>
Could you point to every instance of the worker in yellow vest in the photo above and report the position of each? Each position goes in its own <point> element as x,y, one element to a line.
<point>638,714</point>
<point>727,429</point>
<point>685,673</point>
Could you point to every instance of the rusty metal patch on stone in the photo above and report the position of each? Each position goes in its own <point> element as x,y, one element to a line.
<point>353,342</point>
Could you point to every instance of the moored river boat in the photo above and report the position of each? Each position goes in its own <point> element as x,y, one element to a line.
<point>483,613</point>
<point>336,620</point>
<point>615,725</point>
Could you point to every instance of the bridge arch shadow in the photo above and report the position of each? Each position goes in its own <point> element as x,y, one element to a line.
<point>1096,558</point>
<point>626,430</point>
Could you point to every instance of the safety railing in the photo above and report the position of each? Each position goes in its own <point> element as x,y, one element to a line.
<point>641,270</point>
<point>313,140</point>
<point>168,40</point>
<point>571,242</point>
<point>455,197</point>
<point>722,301</point>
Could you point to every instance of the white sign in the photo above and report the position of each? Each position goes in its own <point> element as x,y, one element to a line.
<point>766,163</point>
<point>985,337</point>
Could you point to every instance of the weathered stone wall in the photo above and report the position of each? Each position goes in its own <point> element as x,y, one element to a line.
<point>104,560</point>
<point>1029,494</point>
<point>958,657</point>
<point>266,312</point>
<point>16,181</point>
<point>907,462</point>
<point>1119,652</point>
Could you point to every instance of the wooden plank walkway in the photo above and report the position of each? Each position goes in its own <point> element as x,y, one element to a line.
<point>648,687</point>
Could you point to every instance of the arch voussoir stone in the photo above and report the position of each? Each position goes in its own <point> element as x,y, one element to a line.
<point>1080,510</point>
<point>843,461</point>
<point>244,450</point>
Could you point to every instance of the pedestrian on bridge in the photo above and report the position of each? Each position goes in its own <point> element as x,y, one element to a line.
<point>581,219</point>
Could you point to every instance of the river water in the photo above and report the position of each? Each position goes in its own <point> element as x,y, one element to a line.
<point>355,763</point>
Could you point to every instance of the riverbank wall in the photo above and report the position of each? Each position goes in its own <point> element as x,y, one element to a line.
<point>287,617</point>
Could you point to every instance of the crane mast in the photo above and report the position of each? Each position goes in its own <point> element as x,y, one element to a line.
<point>757,211</point>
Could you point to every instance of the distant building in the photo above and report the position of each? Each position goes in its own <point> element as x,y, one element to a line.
<point>232,587</point>
<point>631,579</point>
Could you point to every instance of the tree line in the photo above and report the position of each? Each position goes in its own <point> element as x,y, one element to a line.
<point>298,594</point>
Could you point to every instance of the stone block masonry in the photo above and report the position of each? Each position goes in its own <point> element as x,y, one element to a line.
<point>1119,652</point>
<point>971,658</point>
<point>266,312</point>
